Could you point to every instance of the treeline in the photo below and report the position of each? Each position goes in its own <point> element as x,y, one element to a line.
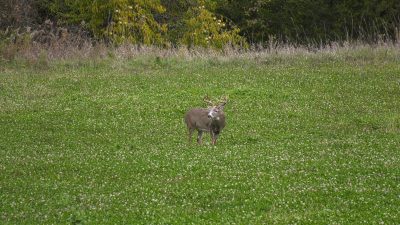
<point>214,23</point>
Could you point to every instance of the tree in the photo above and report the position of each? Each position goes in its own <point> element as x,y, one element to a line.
<point>204,28</point>
<point>314,21</point>
<point>115,20</point>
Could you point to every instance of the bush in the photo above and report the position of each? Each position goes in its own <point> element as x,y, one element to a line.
<point>136,24</point>
<point>116,20</point>
<point>203,28</point>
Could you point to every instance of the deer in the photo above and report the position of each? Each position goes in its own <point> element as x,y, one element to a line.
<point>211,119</point>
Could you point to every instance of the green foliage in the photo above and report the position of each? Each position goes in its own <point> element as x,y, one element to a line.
<point>203,28</point>
<point>140,21</point>
<point>164,22</point>
<point>176,14</point>
<point>314,21</point>
<point>92,15</point>
<point>133,21</point>
<point>116,20</point>
<point>368,20</point>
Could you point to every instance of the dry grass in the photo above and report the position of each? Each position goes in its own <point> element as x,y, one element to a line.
<point>260,53</point>
<point>55,44</point>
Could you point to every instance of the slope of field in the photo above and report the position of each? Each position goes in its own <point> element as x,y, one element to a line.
<point>309,139</point>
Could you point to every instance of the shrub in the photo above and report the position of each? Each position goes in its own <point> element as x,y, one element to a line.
<point>204,28</point>
<point>135,23</point>
<point>115,20</point>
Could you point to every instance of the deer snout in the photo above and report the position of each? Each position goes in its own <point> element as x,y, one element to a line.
<point>209,115</point>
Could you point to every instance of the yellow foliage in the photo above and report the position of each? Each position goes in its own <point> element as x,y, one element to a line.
<point>133,21</point>
<point>203,28</point>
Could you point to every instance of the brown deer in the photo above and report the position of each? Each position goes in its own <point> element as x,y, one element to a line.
<point>211,120</point>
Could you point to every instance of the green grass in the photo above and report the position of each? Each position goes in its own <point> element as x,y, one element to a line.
<point>310,139</point>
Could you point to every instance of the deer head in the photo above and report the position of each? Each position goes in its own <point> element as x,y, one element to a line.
<point>216,109</point>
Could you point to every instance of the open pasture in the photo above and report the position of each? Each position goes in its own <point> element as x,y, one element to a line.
<point>310,139</point>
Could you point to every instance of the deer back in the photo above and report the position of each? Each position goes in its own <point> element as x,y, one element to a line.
<point>198,118</point>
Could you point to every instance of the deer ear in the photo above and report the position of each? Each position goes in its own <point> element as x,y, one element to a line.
<point>222,106</point>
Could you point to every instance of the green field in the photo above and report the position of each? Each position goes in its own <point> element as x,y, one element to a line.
<point>310,139</point>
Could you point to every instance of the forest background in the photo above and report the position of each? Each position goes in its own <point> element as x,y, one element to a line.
<point>205,23</point>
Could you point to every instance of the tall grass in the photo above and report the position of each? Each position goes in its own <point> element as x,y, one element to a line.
<point>39,46</point>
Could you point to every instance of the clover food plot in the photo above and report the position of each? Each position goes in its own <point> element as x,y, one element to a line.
<point>308,140</point>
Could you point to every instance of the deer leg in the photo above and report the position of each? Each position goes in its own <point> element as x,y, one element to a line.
<point>199,136</point>
<point>214,136</point>
<point>190,134</point>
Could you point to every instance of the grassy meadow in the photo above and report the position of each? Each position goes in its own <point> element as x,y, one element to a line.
<point>311,138</point>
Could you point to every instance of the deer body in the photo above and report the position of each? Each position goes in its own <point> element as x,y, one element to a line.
<point>206,120</point>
